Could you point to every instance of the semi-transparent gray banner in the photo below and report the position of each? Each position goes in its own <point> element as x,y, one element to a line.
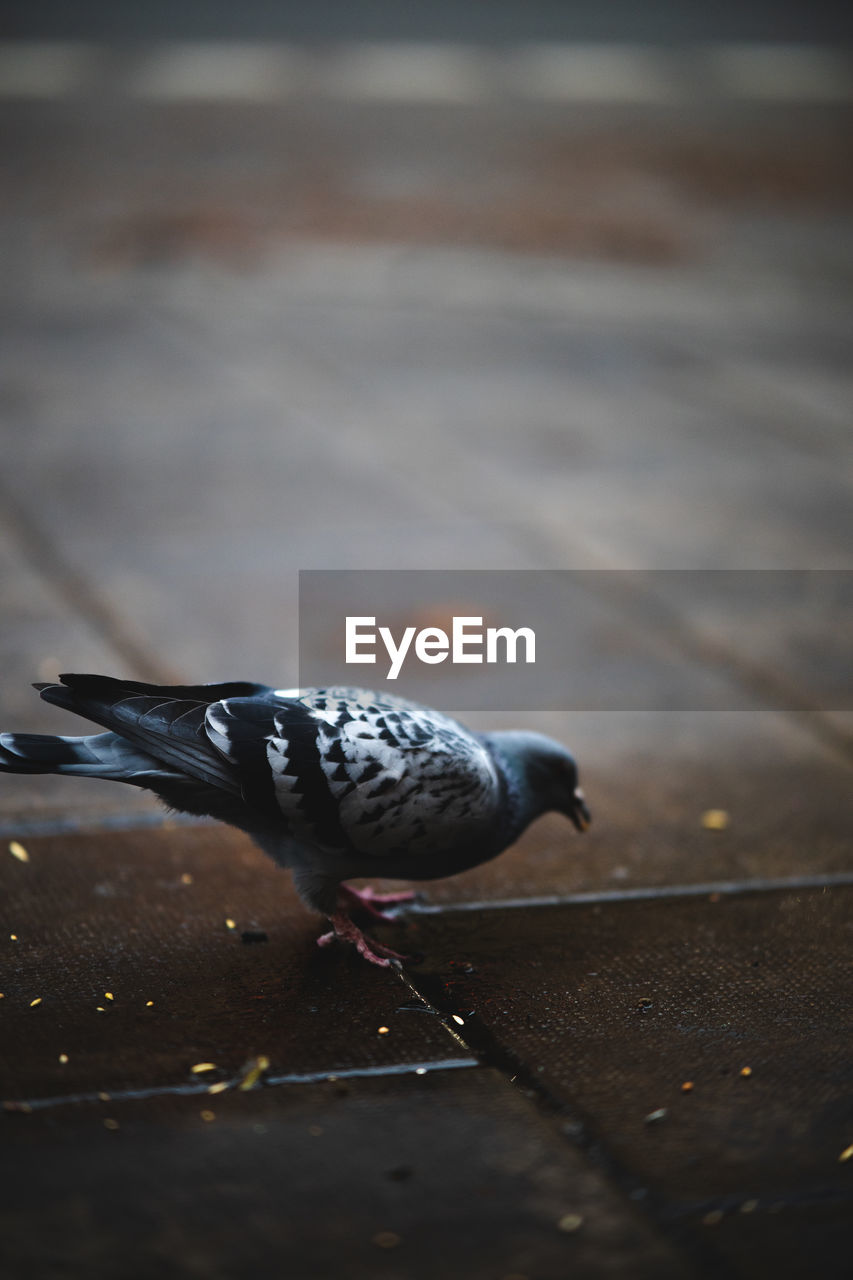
<point>585,640</point>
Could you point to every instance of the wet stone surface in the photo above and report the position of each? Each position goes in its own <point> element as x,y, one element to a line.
<point>701,1045</point>
<point>144,917</point>
<point>588,1020</point>
<point>451,1173</point>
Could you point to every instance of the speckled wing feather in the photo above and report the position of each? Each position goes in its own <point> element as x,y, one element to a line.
<point>358,772</point>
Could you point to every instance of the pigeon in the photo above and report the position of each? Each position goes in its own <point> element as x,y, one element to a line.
<point>335,783</point>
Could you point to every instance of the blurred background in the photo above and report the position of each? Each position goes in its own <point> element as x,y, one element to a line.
<point>543,285</point>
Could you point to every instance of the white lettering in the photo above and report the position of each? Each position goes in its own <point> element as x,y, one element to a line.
<point>395,653</point>
<point>354,638</point>
<point>461,639</point>
<point>431,644</point>
<point>511,638</point>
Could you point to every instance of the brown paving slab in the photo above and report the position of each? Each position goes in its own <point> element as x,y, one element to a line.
<point>451,1173</point>
<point>40,635</point>
<point>614,433</point>
<point>534,179</point>
<point>782,633</point>
<point>612,1007</point>
<point>113,913</point>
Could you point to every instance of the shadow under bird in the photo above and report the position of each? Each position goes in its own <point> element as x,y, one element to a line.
<point>336,784</point>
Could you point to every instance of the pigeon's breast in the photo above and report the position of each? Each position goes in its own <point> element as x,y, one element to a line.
<point>382,778</point>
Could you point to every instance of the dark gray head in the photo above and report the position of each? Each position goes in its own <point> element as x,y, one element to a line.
<point>545,773</point>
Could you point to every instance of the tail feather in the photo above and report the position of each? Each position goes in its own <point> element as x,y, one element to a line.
<point>166,721</point>
<point>101,755</point>
<point>156,740</point>
<point>109,756</point>
<point>76,688</point>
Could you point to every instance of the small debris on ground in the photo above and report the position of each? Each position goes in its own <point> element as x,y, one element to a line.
<point>715,819</point>
<point>252,1072</point>
<point>253,935</point>
<point>18,851</point>
<point>386,1239</point>
<point>570,1222</point>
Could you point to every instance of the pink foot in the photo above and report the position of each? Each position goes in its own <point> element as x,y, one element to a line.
<point>371,902</point>
<point>376,952</point>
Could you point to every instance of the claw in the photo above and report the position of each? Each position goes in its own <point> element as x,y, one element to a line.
<point>375,952</point>
<point>371,902</point>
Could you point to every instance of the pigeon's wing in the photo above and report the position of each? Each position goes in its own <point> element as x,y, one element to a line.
<point>355,771</point>
<point>166,722</point>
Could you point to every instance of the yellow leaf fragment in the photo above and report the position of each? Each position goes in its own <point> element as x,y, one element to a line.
<point>253,1073</point>
<point>18,851</point>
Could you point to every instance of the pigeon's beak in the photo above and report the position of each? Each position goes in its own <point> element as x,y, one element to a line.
<point>579,813</point>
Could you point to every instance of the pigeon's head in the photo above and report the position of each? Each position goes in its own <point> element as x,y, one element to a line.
<point>547,774</point>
